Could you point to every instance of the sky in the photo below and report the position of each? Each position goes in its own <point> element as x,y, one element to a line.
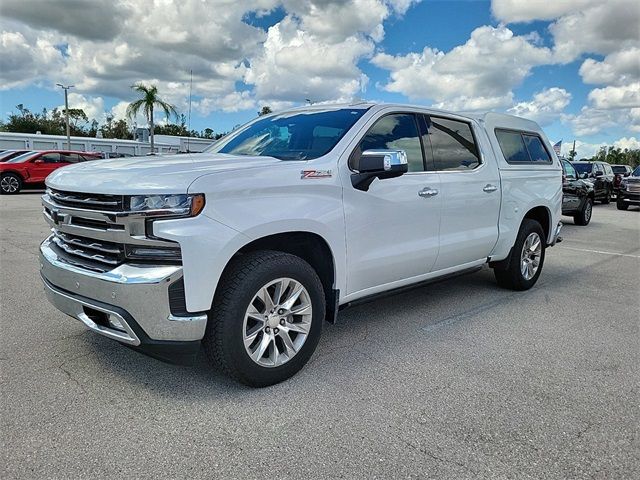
<point>571,65</point>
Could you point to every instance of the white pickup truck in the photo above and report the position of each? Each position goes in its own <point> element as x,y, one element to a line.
<point>250,246</point>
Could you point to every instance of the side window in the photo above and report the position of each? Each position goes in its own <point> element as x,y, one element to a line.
<point>607,169</point>
<point>396,131</point>
<point>512,146</point>
<point>50,158</point>
<point>569,170</point>
<point>70,157</point>
<point>537,152</point>
<point>452,144</point>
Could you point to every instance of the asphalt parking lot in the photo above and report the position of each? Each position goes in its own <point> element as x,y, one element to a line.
<point>459,379</point>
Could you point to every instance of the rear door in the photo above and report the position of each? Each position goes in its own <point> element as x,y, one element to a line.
<point>470,188</point>
<point>42,166</point>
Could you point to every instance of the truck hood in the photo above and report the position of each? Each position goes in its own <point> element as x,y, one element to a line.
<point>139,175</point>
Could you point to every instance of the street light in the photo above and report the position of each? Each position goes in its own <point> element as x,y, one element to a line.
<point>66,110</point>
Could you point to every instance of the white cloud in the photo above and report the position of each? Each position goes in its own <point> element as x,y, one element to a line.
<point>296,65</point>
<point>486,68</point>
<point>525,11</point>
<point>92,106</point>
<point>618,68</point>
<point>631,143</point>
<point>545,107</point>
<point>626,96</point>
<point>591,121</point>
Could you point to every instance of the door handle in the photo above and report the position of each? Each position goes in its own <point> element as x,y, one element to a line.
<point>489,188</point>
<point>428,192</point>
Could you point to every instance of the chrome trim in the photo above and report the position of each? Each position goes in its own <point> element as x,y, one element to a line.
<point>80,253</point>
<point>140,290</point>
<point>72,306</point>
<point>194,318</point>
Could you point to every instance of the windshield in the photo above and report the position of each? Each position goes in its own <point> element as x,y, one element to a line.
<point>301,135</point>
<point>9,154</point>
<point>636,172</point>
<point>22,158</point>
<point>582,167</point>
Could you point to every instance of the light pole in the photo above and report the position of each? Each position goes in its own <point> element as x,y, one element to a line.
<point>66,111</point>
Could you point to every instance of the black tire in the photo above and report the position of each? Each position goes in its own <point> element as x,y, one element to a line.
<point>245,275</point>
<point>620,205</point>
<point>607,198</point>
<point>10,184</point>
<point>511,276</point>
<point>583,217</point>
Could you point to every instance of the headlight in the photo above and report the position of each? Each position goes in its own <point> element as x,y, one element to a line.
<point>174,205</point>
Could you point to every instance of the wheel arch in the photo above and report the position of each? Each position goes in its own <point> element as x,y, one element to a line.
<point>313,249</point>
<point>542,215</point>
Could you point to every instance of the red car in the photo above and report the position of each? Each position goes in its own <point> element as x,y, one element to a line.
<point>33,167</point>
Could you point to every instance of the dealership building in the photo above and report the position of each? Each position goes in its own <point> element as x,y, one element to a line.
<point>163,143</point>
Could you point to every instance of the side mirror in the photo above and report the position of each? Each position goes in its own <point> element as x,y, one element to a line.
<point>39,160</point>
<point>372,164</point>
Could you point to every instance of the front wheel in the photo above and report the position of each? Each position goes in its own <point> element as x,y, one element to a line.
<point>607,198</point>
<point>266,318</point>
<point>583,217</point>
<point>526,259</point>
<point>10,183</point>
<point>620,205</point>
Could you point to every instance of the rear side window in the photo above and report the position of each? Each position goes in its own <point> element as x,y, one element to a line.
<point>522,147</point>
<point>70,157</point>
<point>452,144</point>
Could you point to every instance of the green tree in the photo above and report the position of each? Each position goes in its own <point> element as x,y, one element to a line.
<point>266,110</point>
<point>147,104</point>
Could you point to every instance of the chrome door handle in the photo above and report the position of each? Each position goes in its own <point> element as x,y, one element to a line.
<point>428,192</point>
<point>489,188</point>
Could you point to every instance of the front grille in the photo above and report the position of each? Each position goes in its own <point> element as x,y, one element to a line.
<point>87,252</point>
<point>91,201</point>
<point>634,187</point>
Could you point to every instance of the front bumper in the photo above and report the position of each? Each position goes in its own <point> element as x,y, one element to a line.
<point>133,297</point>
<point>629,198</point>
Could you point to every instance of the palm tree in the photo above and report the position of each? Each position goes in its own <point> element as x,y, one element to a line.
<point>147,103</point>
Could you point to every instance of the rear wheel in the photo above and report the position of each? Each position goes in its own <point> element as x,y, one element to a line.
<point>620,205</point>
<point>10,183</point>
<point>526,259</point>
<point>266,318</point>
<point>583,217</point>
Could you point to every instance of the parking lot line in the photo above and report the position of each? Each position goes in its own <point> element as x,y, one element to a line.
<point>601,252</point>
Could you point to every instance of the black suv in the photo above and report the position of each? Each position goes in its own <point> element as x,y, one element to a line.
<point>619,172</point>
<point>629,193</point>
<point>577,195</point>
<point>598,173</point>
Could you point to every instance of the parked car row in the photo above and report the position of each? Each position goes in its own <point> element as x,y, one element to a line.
<point>629,191</point>
<point>32,167</point>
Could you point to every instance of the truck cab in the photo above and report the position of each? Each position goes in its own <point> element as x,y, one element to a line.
<point>248,247</point>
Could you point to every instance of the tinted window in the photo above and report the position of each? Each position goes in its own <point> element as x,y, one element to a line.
<point>70,157</point>
<point>582,167</point>
<point>298,135</point>
<point>512,146</point>
<point>569,171</point>
<point>607,169</point>
<point>619,169</point>
<point>50,158</point>
<point>636,172</point>
<point>397,131</point>
<point>452,144</point>
<point>537,152</point>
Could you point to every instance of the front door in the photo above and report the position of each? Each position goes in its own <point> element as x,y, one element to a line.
<point>392,229</point>
<point>570,182</point>
<point>42,166</point>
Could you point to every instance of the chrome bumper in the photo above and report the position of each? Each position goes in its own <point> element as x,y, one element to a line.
<point>136,296</point>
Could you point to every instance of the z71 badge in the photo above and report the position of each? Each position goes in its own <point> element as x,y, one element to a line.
<point>315,174</point>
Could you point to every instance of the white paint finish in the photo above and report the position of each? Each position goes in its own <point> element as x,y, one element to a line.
<point>391,232</point>
<point>385,238</point>
<point>469,225</point>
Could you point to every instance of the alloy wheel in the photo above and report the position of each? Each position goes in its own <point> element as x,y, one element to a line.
<point>9,184</point>
<point>530,257</point>
<point>277,322</point>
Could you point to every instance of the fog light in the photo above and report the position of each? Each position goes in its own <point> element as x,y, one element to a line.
<point>152,253</point>
<point>114,322</point>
